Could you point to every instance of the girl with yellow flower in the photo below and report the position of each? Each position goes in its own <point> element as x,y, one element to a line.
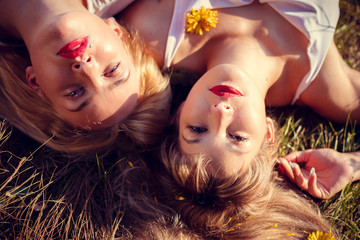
<point>251,54</point>
<point>265,53</point>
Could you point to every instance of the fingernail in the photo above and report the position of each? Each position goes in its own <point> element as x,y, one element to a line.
<point>312,171</point>
<point>291,165</point>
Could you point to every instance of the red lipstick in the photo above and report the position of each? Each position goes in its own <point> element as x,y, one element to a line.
<point>225,91</point>
<point>74,48</point>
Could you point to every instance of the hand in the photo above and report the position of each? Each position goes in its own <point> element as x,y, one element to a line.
<point>325,173</point>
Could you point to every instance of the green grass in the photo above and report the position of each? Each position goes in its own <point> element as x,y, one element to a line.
<point>299,133</point>
<point>43,193</point>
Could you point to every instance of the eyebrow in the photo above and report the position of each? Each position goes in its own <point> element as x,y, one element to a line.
<point>120,81</point>
<point>81,107</point>
<point>196,140</point>
<point>233,147</point>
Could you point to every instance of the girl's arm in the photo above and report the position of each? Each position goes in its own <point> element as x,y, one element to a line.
<point>324,172</point>
<point>335,93</point>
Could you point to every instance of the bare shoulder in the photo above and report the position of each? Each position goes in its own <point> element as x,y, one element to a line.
<point>151,18</point>
<point>335,92</point>
<point>146,13</point>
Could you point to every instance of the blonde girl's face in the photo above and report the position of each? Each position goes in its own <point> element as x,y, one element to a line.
<point>224,118</point>
<point>81,65</point>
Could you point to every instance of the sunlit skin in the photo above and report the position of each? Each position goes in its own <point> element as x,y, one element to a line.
<point>96,89</point>
<point>270,49</point>
<point>228,130</point>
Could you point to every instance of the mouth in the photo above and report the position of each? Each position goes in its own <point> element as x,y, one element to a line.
<point>225,91</point>
<point>74,48</point>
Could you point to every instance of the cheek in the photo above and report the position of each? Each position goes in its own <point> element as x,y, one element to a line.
<point>194,108</point>
<point>135,86</point>
<point>183,114</point>
<point>50,79</point>
<point>185,118</point>
<point>255,116</point>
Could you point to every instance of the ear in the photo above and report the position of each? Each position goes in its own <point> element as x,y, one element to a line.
<point>270,130</point>
<point>111,22</point>
<point>31,79</point>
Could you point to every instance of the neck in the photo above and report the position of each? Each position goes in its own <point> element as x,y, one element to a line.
<point>260,74</point>
<point>24,19</point>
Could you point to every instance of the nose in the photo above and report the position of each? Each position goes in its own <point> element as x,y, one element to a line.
<point>82,64</point>
<point>221,115</point>
<point>86,68</point>
<point>222,109</point>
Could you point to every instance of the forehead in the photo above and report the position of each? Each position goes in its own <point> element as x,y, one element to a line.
<point>227,164</point>
<point>224,158</point>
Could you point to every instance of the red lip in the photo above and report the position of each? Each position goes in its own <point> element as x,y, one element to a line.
<point>74,48</point>
<point>225,91</point>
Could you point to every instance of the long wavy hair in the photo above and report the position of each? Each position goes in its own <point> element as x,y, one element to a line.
<point>34,115</point>
<point>253,204</point>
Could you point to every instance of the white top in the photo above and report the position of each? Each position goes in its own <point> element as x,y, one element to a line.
<point>316,19</point>
<point>107,8</point>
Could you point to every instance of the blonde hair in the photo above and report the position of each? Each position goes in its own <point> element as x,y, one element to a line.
<point>253,204</point>
<point>164,229</point>
<point>34,115</point>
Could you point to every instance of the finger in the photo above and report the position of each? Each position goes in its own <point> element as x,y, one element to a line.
<point>280,167</point>
<point>299,156</point>
<point>299,177</point>
<point>286,169</point>
<point>292,156</point>
<point>312,185</point>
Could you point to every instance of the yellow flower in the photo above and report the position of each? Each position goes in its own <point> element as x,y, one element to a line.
<point>319,235</point>
<point>198,21</point>
<point>180,198</point>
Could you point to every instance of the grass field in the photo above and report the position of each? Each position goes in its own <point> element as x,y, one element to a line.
<point>44,194</point>
<point>303,129</point>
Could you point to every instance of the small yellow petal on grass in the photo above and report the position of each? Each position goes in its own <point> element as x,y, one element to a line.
<point>180,198</point>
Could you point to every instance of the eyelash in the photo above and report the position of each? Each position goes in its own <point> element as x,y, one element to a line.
<point>112,70</point>
<point>237,138</point>
<point>199,130</point>
<point>75,93</point>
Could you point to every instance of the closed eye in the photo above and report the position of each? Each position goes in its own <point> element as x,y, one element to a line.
<point>197,130</point>
<point>236,138</point>
<point>77,93</point>
<point>112,70</point>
